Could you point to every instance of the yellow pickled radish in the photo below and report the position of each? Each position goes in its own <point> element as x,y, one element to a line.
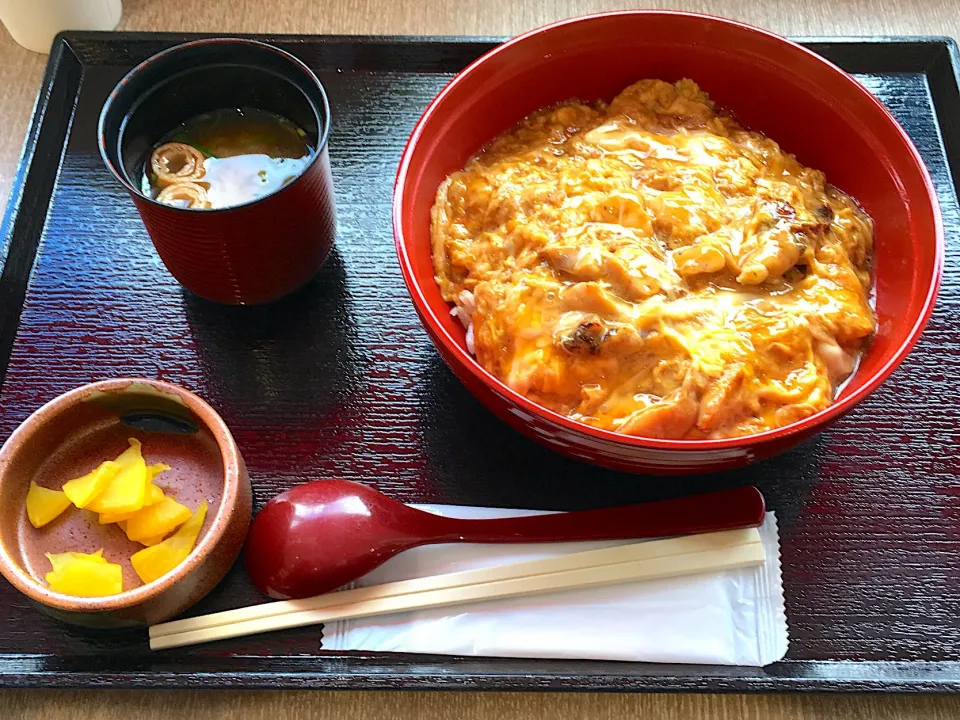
<point>61,560</point>
<point>153,495</point>
<point>156,469</point>
<point>107,518</point>
<point>159,519</point>
<point>94,557</point>
<point>84,575</point>
<point>156,561</point>
<point>45,505</point>
<point>83,490</point>
<point>126,492</point>
<point>156,539</point>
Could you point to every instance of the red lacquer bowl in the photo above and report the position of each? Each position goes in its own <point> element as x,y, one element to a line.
<point>811,107</point>
<point>247,254</point>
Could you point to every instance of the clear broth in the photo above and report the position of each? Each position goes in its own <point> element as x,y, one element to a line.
<point>247,154</point>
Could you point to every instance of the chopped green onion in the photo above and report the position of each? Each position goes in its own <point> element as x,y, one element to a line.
<point>182,138</point>
<point>202,149</point>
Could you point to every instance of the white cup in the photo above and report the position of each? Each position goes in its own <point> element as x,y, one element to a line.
<point>35,23</point>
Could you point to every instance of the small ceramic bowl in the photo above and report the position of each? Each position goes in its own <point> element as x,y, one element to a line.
<point>71,435</point>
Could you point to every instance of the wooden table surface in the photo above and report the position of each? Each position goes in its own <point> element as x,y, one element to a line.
<point>20,73</point>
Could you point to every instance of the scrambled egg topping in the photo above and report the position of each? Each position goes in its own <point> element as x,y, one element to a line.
<point>651,267</point>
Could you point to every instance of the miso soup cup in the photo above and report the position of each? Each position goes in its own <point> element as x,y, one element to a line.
<point>251,253</point>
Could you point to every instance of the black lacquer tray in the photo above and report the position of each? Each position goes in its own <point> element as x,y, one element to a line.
<point>340,380</point>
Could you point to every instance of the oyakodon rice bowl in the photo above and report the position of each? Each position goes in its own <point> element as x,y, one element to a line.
<point>812,108</point>
<point>652,268</point>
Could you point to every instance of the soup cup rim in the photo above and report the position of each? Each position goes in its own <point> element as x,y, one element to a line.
<point>323,133</point>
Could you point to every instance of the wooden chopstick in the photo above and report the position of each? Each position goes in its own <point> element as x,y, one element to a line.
<point>662,567</point>
<point>604,556</point>
<point>648,560</point>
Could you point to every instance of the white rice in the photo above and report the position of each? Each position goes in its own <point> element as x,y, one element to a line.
<point>470,347</point>
<point>463,311</point>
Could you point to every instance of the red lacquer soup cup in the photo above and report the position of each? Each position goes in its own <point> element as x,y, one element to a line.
<point>252,253</point>
<point>811,107</point>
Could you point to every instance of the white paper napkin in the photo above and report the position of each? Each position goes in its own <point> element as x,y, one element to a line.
<point>734,617</point>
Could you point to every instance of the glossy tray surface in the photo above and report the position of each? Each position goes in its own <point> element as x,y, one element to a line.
<point>341,381</point>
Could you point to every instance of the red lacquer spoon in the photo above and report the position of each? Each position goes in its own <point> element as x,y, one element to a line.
<point>321,535</point>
